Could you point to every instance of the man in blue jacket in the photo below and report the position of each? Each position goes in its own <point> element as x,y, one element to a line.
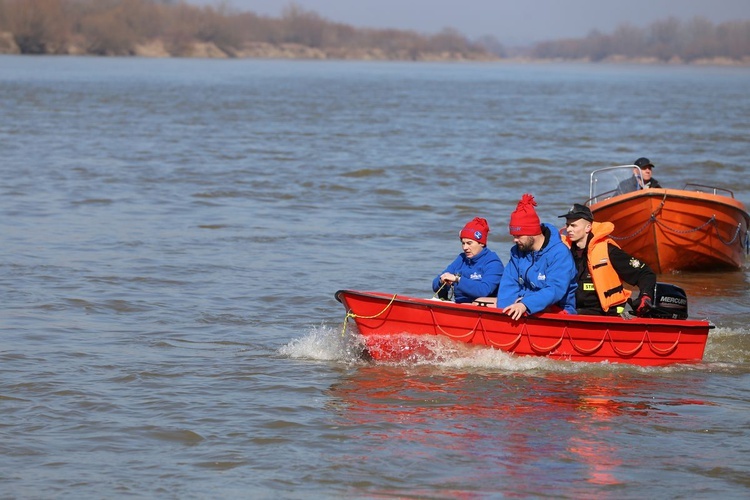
<point>541,274</point>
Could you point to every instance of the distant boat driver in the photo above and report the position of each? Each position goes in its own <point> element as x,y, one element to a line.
<point>637,182</point>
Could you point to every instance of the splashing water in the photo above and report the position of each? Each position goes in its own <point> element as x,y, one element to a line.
<point>326,343</point>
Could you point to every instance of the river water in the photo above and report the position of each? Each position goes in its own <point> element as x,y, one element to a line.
<point>173,232</point>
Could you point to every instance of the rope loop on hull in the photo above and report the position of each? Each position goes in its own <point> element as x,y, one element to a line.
<point>624,353</point>
<point>667,351</point>
<point>509,345</point>
<point>548,350</point>
<point>350,314</point>
<point>455,337</point>
<point>593,349</point>
<point>539,349</point>
<point>637,232</point>
<point>711,221</point>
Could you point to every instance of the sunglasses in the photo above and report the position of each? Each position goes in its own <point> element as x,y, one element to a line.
<point>647,167</point>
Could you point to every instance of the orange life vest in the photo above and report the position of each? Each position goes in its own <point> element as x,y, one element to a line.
<point>607,282</point>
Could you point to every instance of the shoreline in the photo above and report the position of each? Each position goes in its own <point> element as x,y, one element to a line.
<point>263,50</point>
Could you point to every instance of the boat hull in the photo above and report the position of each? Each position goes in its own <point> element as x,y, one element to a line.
<point>386,322</point>
<point>678,230</point>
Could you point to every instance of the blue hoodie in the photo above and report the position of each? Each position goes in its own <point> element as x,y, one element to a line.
<point>541,279</point>
<point>480,275</point>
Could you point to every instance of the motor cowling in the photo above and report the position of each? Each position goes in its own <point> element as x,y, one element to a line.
<point>670,302</point>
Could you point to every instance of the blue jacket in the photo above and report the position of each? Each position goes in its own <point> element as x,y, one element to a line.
<point>543,278</point>
<point>480,275</point>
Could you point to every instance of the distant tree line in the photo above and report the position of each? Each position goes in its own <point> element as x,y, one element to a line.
<point>118,27</point>
<point>125,27</point>
<point>664,40</point>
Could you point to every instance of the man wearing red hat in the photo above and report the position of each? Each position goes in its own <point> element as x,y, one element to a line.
<point>476,271</point>
<point>540,274</point>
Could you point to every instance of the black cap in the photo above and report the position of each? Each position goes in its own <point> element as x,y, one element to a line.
<point>642,162</point>
<point>578,211</point>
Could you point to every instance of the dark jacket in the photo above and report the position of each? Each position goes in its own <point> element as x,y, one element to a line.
<point>630,270</point>
<point>631,184</point>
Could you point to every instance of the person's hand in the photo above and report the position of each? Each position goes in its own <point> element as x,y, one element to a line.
<point>448,278</point>
<point>644,305</point>
<point>515,310</point>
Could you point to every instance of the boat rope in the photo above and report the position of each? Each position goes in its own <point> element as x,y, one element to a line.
<point>650,221</point>
<point>565,333</point>
<point>607,336</point>
<point>350,314</point>
<point>687,231</point>
<point>638,231</point>
<point>623,353</point>
<point>734,238</point>
<point>667,351</point>
<point>646,336</point>
<point>593,349</point>
<point>455,337</point>
<point>511,343</point>
<point>710,221</point>
<point>547,350</point>
<point>451,291</point>
<point>524,330</point>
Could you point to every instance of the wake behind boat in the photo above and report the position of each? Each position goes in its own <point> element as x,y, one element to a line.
<point>696,228</point>
<point>392,325</point>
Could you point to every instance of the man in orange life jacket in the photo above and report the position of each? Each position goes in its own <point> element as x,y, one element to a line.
<point>602,266</point>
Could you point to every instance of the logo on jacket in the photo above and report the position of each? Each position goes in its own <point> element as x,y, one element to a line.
<point>635,262</point>
<point>541,277</point>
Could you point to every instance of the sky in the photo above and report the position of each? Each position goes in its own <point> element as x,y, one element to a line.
<point>510,21</point>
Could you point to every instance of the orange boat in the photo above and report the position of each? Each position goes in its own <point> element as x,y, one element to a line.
<point>395,327</point>
<point>697,228</point>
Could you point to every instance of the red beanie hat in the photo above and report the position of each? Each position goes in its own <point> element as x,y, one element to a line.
<point>476,229</point>
<point>524,221</point>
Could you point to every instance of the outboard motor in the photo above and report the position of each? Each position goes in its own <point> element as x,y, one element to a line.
<point>670,302</point>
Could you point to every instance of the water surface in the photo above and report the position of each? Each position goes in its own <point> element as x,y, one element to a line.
<point>174,231</point>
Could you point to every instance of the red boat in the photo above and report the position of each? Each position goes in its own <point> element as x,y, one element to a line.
<point>697,228</point>
<point>393,325</point>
